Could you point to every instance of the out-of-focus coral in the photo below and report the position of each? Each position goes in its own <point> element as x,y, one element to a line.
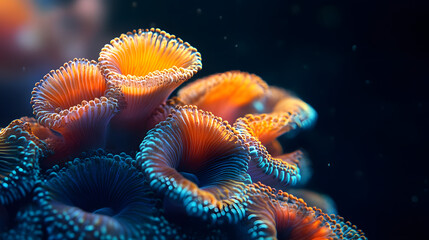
<point>36,33</point>
<point>322,201</point>
<point>20,40</point>
<point>194,176</point>
<point>228,95</point>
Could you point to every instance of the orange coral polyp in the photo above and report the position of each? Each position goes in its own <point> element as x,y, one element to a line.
<point>228,95</point>
<point>76,102</point>
<point>236,88</point>
<point>298,225</point>
<point>287,113</point>
<point>194,142</point>
<point>261,131</point>
<point>149,57</point>
<point>76,81</point>
<point>64,94</point>
<point>147,65</point>
<point>279,215</point>
<point>139,53</point>
<point>267,127</point>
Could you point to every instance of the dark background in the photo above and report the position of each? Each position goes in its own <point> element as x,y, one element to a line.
<point>361,64</point>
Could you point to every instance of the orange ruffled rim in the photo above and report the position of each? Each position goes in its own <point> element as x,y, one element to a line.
<point>236,87</point>
<point>228,95</point>
<point>148,58</point>
<point>261,130</point>
<point>75,89</point>
<point>267,127</point>
<point>279,100</point>
<point>279,214</point>
<point>195,142</point>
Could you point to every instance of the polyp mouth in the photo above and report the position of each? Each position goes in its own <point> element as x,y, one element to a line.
<point>191,177</point>
<point>107,211</point>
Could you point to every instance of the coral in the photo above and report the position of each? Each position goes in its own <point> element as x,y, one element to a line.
<point>279,215</point>
<point>23,219</point>
<point>76,102</point>
<point>101,195</point>
<point>147,65</point>
<point>205,169</point>
<point>198,162</point>
<point>19,156</point>
<point>228,95</point>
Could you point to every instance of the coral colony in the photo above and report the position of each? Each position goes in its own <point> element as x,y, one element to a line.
<point>109,156</point>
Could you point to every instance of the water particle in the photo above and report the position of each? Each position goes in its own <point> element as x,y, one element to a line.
<point>295,9</point>
<point>259,106</point>
<point>354,48</point>
<point>359,173</point>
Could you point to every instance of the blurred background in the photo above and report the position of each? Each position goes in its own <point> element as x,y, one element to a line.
<point>360,64</point>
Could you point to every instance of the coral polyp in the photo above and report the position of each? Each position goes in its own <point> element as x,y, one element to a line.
<point>228,95</point>
<point>199,162</point>
<point>147,65</point>
<point>75,101</point>
<point>18,162</point>
<point>205,168</point>
<point>99,196</point>
<point>279,215</point>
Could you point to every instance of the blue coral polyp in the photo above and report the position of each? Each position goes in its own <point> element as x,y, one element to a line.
<point>23,219</point>
<point>18,162</point>
<point>102,195</point>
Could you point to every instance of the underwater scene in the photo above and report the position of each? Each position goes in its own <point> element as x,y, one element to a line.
<point>209,120</point>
